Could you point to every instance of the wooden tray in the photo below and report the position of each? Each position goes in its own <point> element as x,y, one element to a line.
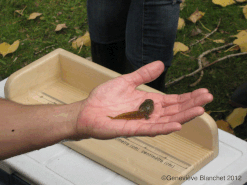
<point>61,77</point>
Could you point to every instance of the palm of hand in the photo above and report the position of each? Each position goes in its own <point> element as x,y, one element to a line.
<point>120,95</point>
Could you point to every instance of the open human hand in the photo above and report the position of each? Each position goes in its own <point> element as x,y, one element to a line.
<point>120,95</point>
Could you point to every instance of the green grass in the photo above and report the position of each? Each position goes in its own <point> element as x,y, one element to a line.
<point>221,79</point>
<point>37,34</point>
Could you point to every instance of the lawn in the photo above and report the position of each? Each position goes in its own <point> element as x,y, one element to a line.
<point>37,38</point>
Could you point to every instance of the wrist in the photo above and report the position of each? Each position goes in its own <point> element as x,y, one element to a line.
<point>74,111</point>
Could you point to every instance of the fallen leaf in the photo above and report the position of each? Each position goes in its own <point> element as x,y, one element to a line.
<point>223,125</point>
<point>245,11</point>
<point>236,118</point>
<point>195,32</point>
<point>197,15</point>
<point>242,33</point>
<point>77,43</point>
<point>83,40</point>
<point>219,41</point>
<point>178,46</point>
<point>182,5</point>
<point>60,26</point>
<point>181,23</point>
<point>5,48</point>
<point>242,43</point>
<point>223,3</point>
<point>20,11</point>
<point>241,1</point>
<point>34,15</point>
<point>233,48</point>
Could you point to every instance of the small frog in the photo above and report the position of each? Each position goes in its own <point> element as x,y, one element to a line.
<point>145,109</point>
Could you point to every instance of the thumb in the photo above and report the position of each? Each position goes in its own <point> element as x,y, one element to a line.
<point>146,73</point>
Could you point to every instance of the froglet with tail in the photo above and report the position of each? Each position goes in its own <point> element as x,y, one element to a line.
<point>145,109</point>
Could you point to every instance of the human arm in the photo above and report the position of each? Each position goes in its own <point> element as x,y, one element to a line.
<point>37,126</point>
<point>24,128</point>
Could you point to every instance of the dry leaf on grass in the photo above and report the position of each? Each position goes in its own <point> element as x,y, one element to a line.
<point>245,11</point>
<point>242,43</point>
<point>223,3</point>
<point>178,46</point>
<point>236,118</point>
<point>20,11</point>
<point>223,125</point>
<point>195,32</point>
<point>182,5</point>
<point>233,48</point>
<point>181,23</point>
<point>241,40</point>
<point>83,40</point>
<point>60,26</point>
<point>196,16</point>
<point>34,15</point>
<point>242,33</point>
<point>219,41</point>
<point>5,48</point>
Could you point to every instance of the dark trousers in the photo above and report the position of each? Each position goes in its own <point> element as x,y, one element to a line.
<point>132,32</point>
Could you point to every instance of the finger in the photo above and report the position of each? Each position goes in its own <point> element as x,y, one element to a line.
<point>145,74</point>
<point>184,116</point>
<point>194,102</point>
<point>155,129</point>
<point>174,98</point>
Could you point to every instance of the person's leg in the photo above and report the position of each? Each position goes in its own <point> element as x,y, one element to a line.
<point>239,96</point>
<point>151,32</point>
<point>107,25</point>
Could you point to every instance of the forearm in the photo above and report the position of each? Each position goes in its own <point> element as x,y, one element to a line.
<point>24,128</point>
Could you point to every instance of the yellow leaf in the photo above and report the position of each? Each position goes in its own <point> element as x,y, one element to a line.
<point>245,11</point>
<point>182,5</point>
<point>20,11</point>
<point>60,26</point>
<point>219,41</point>
<point>34,15</point>
<point>223,3</point>
<point>83,40</point>
<point>242,33</point>
<point>5,48</point>
<point>223,125</point>
<point>233,48</point>
<point>181,23</point>
<point>242,43</point>
<point>236,118</point>
<point>241,1</point>
<point>178,46</point>
<point>197,15</point>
